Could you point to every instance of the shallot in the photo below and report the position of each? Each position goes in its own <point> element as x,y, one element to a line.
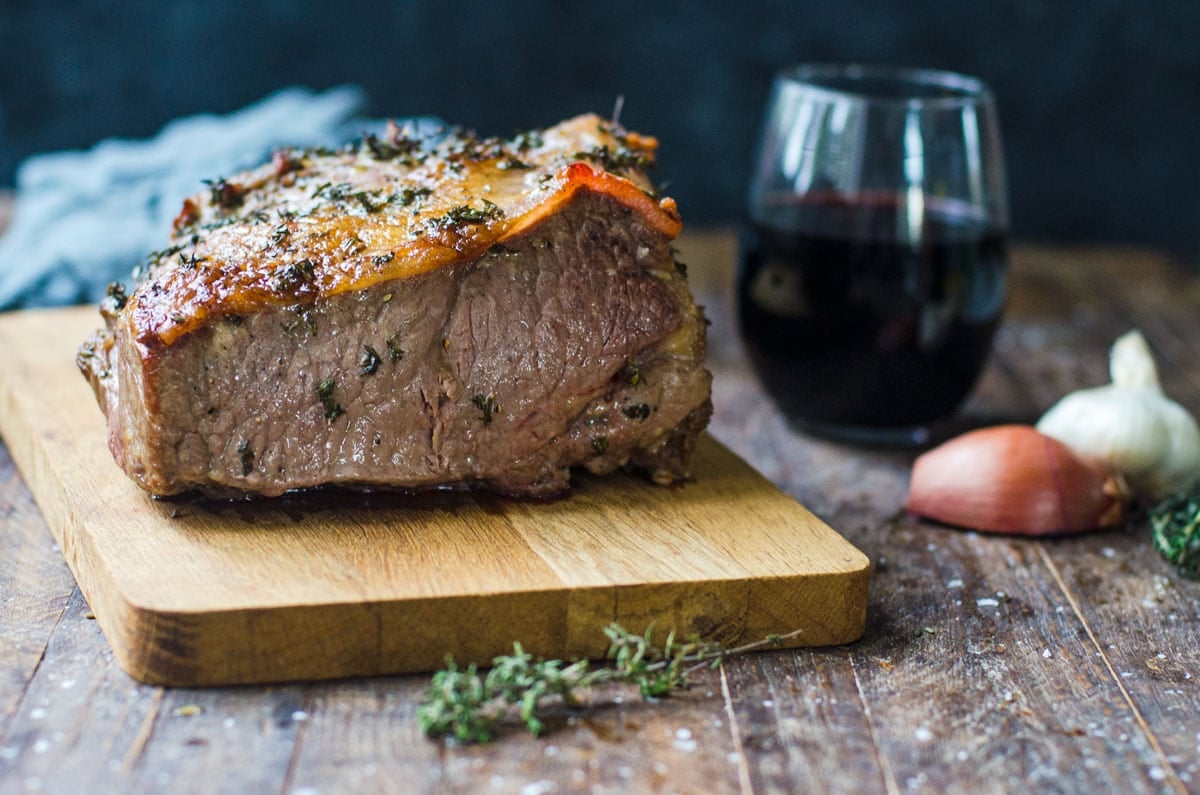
<point>1013,479</point>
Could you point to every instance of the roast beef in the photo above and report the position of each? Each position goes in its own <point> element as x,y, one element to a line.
<point>475,312</point>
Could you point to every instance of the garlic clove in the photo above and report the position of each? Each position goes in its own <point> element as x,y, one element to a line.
<point>1179,468</point>
<point>1130,363</point>
<point>1013,479</point>
<point>1130,426</point>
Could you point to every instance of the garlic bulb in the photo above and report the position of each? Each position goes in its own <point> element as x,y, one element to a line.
<point>1012,479</point>
<point>1130,426</point>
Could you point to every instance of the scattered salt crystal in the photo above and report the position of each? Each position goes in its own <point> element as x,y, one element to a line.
<point>923,734</point>
<point>768,703</point>
<point>683,734</point>
<point>955,583</point>
<point>299,715</point>
<point>1108,552</point>
<point>687,746</point>
<point>538,787</point>
<point>987,601</point>
<point>1046,653</point>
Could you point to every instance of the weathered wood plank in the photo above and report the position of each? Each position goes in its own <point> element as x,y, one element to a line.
<point>1146,623</point>
<point>620,744</point>
<point>34,586</point>
<point>995,672</point>
<point>1143,618</point>
<point>804,725</point>
<point>362,736</point>
<point>85,720</point>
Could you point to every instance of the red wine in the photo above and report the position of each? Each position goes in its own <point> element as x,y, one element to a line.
<point>860,311</point>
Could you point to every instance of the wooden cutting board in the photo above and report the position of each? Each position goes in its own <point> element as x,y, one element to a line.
<point>204,593</point>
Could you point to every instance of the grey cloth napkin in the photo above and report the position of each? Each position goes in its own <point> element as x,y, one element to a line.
<point>84,219</point>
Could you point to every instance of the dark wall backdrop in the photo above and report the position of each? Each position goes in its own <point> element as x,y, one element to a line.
<point>1100,100</point>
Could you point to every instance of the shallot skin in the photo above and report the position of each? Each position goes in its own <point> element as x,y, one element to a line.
<point>1013,479</point>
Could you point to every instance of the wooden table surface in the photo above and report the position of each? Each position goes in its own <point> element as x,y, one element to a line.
<point>988,665</point>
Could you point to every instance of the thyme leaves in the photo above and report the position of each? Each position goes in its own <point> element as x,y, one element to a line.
<point>369,362</point>
<point>393,345</point>
<point>470,706</point>
<point>224,194</point>
<point>115,293</point>
<point>290,277</point>
<point>632,373</point>
<point>333,409</point>
<point>1175,524</point>
<point>246,455</point>
<point>466,214</point>
<point>638,411</point>
<point>619,158</point>
<point>488,407</point>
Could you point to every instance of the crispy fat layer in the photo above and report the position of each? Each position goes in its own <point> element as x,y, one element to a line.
<point>317,223</point>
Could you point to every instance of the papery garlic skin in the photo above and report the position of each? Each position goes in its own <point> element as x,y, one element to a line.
<point>1130,426</point>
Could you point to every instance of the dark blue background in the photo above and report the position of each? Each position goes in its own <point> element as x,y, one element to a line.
<point>1100,101</point>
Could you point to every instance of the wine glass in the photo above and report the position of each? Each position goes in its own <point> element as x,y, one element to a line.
<point>873,266</point>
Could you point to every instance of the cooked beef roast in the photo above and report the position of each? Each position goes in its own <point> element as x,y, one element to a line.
<point>398,315</point>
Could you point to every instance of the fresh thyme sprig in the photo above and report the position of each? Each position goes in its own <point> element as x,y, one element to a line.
<point>1175,523</point>
<point>468,706</point>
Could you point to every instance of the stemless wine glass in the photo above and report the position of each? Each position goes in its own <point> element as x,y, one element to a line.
<point>873,266</point>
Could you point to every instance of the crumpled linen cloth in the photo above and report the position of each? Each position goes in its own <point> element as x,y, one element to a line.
<point>84,219</point>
